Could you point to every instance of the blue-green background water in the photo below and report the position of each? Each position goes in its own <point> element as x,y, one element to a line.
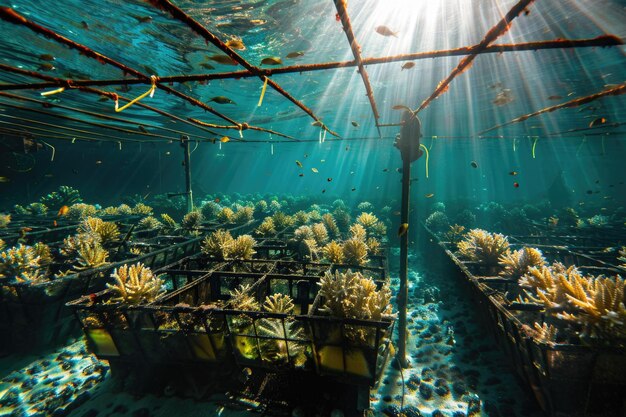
<point>148,40</point>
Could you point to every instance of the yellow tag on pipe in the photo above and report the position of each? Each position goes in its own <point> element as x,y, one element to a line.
<point>51,92</point>
<point>150,92</point>
<point>262,93</point>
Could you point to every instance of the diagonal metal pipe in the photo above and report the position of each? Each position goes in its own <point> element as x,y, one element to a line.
<point>495,32</point>
<point>197,27</point>
<point>342,11</point>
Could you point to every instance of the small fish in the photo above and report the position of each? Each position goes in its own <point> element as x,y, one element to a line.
<point>4,179</point>
<point>222,100</point>
<point>301,175</point>
<point>401,107</point>
<point>407,65</point>
<point>323,191</point>
<point>354,189</point>
<point>322,160</point>
<point>306,155</point>
<point>84,25</point>
<point>597,122</point>
<point>49,175</point>
<point>597,181</point>
<point>54,223</point>
<point>217,199</point>
<point>513,173</point>
<point>355,124</point>
<point>222,59</point>
<point>386,170</point>
<point>314,170</point>
<point>474,164</point>
<point>347,148</point>
<point>46,57</point>
<point>98,162</point>
<point>46,66</point>
<point>292,55</point>
<point>206,65</point>
<point>589,192</point>
<point>299,164</point>
<point>225,139</point>
<point>516,184</point>
<point>496,85</point>
<point>403,229</point>
<point>555,97</point>
<point>143,129</point>
<point>385,31</point>
<point>168,153</point>
<point>236,44</point>
<point>63,211</point>
<point>142,19</point>
<point>399,170</point>
<point>429,195</point>
<point>272,60</point>
<point>329,179</point>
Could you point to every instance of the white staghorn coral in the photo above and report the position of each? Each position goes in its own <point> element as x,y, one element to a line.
<point>355,252</point>
<point>243,247</point>
<point>303,233</point>
<point>333,252</point>
<point>149,223</point>
<point>482,246</point>
<point>358,232</point>
<point>367,220</point>
<point>136,284</point>
<point>278,303</point>
<point>320,234</point>
<point>331,225</point>
<point>266,228</point>
<point>108,231</point>
<point>218,244</point>
<point>90,255</point>
<point>241,299</point>
<point>350,295</point>
<point>5,219</point>
<point>594,303</point>
<point>21,263</point>
<point>598,306</point>
<point>243,215</point>
<point>518,262</point>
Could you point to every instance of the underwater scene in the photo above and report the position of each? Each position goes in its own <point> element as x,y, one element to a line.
<point>322,208</point>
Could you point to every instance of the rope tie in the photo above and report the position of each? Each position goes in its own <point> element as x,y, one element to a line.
<point>153,79</point>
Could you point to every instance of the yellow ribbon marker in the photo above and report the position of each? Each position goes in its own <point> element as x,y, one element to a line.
<point>51,92</point>
<point>425,150</point>
<point>150,92</point>
<point>535,139</point>
<point>262,93</point>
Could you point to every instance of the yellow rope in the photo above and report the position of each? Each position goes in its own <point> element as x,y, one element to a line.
<point>425,150</point>
<point>150,92</point>
<point>51,92</point>
<point>535,139</point>
<point>262,93</point>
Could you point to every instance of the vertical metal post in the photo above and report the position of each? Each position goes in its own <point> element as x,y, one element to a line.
<point>403,292</point>
<point>184,142</point>
<point>409,145</point>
